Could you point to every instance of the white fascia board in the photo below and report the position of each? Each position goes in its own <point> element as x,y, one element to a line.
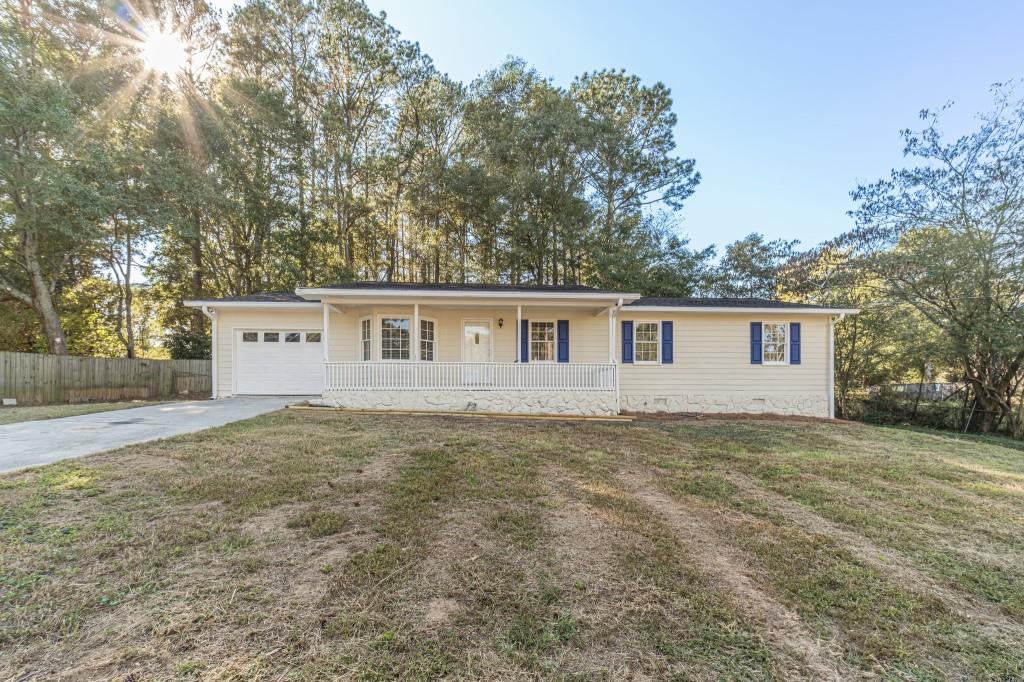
<point>733,309</point>
<point>276,305</point>
<point>447,293</point>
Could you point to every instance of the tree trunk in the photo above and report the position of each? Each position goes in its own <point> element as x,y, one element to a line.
<point>42,298</point>
<point>198,323</point>
<point>917,399</point>
<point>129,297</point>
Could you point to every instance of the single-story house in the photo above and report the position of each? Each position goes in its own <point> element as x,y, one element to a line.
<point>524,349</point>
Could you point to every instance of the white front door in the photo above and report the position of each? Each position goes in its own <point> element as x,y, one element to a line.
<point>476,347</point>
<point>476,341</point>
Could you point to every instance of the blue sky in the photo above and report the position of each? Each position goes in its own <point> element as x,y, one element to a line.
<point>785,106</point>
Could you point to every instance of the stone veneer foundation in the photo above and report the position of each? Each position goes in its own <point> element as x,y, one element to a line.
<point>583,403</point>
<point>586,403</point>
<point>738,403</point>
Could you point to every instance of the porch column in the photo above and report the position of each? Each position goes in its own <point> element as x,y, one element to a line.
<point>611,335</point>
<point>325,336</point>
<point>519,331</point>
<point>325,339</point>
<point>415,336</point>
<point>612,314</point>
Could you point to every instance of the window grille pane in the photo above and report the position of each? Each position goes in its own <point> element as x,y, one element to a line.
<point>364,337</point>
<point>774,343</point>
<point>542,341</point>
<point>394,338</point>
<point>427,340</point>
<point>645,347</point>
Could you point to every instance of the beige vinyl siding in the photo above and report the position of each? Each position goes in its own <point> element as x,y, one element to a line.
<point>344,335</point>
<point>588,335</point>
<point>711,355</point>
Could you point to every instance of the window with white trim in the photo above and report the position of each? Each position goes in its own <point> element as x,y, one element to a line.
<point>394,338</point>
<point>365,340</point>
<point>645,342</point>
<point>773,342</point>
<point>428,340</point>
<point>542,341</point>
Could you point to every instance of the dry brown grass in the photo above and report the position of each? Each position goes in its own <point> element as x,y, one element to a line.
<point>13,415</point>
<point>306,545</point>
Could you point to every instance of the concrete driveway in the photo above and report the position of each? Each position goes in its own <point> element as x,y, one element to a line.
<point>27,444</point>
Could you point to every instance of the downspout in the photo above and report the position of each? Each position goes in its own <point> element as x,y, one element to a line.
<point>832,364</point>
<point>212,314</point>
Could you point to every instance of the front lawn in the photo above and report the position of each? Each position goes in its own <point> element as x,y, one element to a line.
<point>13,415</point>
<point>306,545</point>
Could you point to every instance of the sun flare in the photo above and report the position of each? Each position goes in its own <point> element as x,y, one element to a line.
<point>163,51</point>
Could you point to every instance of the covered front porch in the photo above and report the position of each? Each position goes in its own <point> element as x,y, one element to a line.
<point>525,354</point>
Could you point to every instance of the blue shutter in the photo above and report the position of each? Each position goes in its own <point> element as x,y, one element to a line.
<point>563,340</point>
<point>627,341</point>
<point>755,343</point>
<point>666,342</point>
<point>524,341</point>
<point>794,343</point>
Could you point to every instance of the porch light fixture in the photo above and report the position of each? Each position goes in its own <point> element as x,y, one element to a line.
<point>501,322</point>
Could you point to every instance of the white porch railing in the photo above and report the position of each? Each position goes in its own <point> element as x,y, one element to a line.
<point>470,376</point>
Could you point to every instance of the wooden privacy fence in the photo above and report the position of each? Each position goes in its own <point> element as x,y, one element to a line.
<point>35,379</point>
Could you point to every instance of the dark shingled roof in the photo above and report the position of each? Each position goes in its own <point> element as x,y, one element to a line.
<point>578,288</point>
<point>717,303</point>
<point>292,297</point>
<point>265,297</point>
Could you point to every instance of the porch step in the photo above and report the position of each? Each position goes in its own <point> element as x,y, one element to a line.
<point>487,415</point>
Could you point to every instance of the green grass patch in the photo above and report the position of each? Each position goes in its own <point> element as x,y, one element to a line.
<point>319,522</point>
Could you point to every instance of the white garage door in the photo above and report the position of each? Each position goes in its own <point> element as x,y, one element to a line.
<point>279,362</point>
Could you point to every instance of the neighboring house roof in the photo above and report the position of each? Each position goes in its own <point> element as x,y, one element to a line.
<point>311,296</point>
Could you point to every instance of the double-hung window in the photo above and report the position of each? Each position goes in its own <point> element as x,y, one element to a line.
<point>394,338</point>
<point>365,339</point>
<point>773,343</point>
<point>428,340</point>
<point>542,341</point>
<point>646,342</point>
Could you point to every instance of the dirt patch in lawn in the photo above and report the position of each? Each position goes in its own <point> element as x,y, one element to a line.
<point>381,469</point>
<point>440,611</point>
